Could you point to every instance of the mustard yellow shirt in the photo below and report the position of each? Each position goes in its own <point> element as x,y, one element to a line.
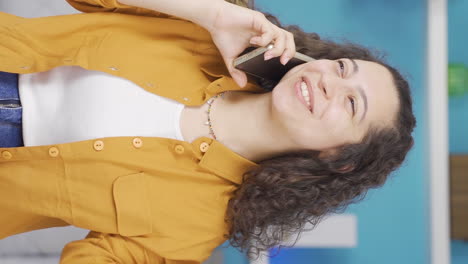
<point>146,199</point>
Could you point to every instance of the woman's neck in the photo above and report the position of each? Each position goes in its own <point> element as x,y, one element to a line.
<point>242,121</point>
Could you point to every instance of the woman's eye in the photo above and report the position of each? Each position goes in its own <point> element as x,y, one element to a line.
<point>351,100</point>
<point>342,67</point>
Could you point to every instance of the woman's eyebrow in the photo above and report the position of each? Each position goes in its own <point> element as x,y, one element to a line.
<point>355,66</point>
<point>360,90</point>
<point>364,99</point>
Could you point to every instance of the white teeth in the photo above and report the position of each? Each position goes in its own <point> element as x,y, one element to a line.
<point>305,93</point>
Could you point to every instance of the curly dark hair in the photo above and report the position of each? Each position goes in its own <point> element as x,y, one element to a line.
<point>282,194</point>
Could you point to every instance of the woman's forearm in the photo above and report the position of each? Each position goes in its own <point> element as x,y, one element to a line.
<point>201,12</point>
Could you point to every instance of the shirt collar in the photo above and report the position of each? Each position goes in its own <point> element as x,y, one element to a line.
<point>222,161</point>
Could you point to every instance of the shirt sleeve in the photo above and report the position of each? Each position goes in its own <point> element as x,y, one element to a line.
<point>100,248</point>
<point>90,6</point>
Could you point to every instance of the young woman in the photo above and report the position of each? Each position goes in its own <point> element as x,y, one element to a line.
<point>136,126</point>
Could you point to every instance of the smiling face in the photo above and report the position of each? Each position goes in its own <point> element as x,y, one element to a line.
<point>346,96</point>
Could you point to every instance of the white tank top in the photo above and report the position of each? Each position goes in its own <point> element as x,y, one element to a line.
<point>69,103</point>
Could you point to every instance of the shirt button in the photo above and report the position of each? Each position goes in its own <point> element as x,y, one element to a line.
<point>6,154</point>
<point>179,149</point>
<point>53,152</point>
<point>137,142</point>
<point>98,145</point>
<point>204,147</point>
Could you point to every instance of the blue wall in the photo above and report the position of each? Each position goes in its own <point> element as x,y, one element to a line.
<point>392,221</point>
<point>458,106</point>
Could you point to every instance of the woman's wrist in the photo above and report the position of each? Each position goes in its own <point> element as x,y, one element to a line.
<point>208,16</point>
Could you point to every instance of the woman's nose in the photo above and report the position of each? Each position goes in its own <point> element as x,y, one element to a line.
<point>329,81</point>
<point>329,85</point>
<point>324,88</point>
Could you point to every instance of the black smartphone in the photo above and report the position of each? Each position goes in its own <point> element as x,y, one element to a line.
<point>252,62</point>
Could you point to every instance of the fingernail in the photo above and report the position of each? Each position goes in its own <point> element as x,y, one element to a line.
<point>285,60</point>
<point>268,56</point>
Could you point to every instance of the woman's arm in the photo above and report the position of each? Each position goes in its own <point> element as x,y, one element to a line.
<point>233,28</point>
<point>201,12</point>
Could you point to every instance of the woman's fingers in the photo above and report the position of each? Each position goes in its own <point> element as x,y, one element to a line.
<point>283,40</point>
<point>290,50</point>
<point>279,45</point>
<point>264,27</point>
<point>238,76</point>
<point>267,37</point>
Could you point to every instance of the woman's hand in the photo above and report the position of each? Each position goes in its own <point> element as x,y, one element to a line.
<point>235,28</point>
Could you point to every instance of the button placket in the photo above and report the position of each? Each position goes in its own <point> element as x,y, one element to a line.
<point>137,142</point>
<point>53,152</point>
<point>149,84</point>
<point>98,145</point>
<point>179,149</point>
<point>6,155</point>
<point>204,147</point>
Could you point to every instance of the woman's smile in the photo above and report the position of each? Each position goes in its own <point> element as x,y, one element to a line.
<point>308,85</point>
<point>304,93</point>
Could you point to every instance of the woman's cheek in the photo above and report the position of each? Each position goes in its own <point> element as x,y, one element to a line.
<point>336,122</point>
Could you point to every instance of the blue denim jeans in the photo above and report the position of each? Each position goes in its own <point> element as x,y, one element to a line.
<point>11,112</point>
